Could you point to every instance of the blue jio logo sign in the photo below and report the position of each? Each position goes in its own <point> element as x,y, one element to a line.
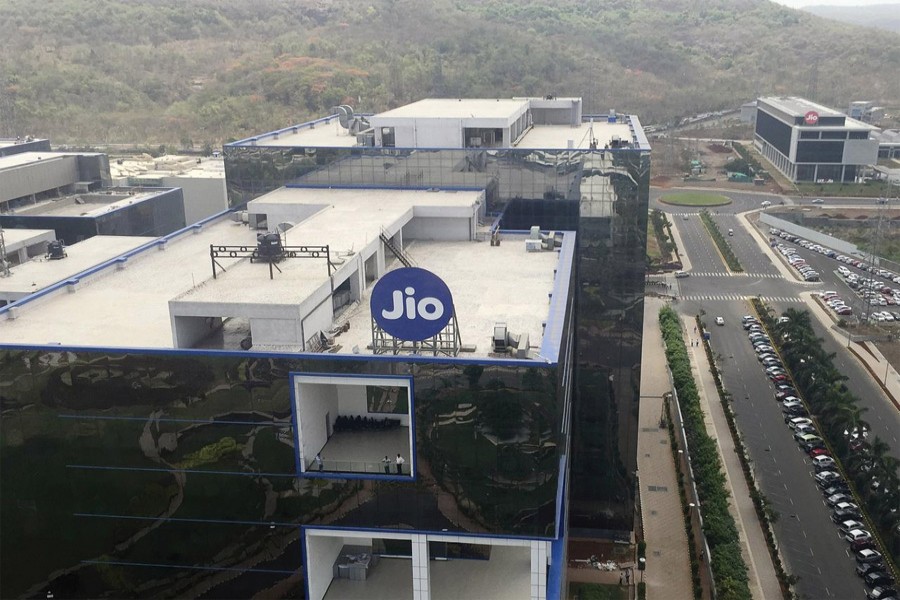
<point>411,304</point>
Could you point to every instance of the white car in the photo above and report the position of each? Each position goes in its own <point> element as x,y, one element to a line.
<point>720,321</point>
<point>766,204</point>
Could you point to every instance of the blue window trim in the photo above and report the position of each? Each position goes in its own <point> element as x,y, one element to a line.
<point>301,474</point>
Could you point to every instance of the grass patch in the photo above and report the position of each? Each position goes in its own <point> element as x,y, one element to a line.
<point>872,189</point>
<point>695,199</point>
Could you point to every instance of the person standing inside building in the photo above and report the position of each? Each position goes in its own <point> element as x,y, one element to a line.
<point>400,462</point>
<point>387,464</point>
<point>319,462</point>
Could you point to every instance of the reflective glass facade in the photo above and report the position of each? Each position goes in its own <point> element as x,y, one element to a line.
<point>603,195</point>
<point>163,473</point>
<point>172,474</point>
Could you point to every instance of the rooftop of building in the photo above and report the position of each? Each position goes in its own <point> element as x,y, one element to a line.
<point>40,273</point>
<point>795,106</point>
<point>14,239</point>
<point>489,283</point>
<point>328,131</point>
<point>89,204</point>
<point>24,158</point>
<point>887,136</point>
<point>7,142</point>
<point>458,108</point>
<point>146,167</point>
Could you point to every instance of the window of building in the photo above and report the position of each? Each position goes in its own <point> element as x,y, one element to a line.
<point>834,135</point>
<point>353,424</point>
<point>809,135</point>
<point>859,135</point>
<point>387,137</point>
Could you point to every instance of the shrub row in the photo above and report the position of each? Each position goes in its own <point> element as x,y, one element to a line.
<point>663,232</point>
<point>728,567</point>
<point>721,243</point>
<point>763,511</point>
<point>838,414</point>
<point>686,513</point>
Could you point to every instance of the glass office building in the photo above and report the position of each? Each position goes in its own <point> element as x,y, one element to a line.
<point>143,471</point>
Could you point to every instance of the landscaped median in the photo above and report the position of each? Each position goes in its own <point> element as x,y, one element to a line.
<point>695,199</point>
<point>731,261</point>
<point>728,567</point>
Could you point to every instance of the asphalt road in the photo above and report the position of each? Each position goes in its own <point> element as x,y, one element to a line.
<point>811,544</point>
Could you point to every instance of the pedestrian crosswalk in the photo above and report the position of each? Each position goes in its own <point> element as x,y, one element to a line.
<point>739,297</point>
<point>726,274</point>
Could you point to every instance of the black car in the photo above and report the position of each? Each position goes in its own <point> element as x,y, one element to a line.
<point>878,578</point>
<point>839,516</point>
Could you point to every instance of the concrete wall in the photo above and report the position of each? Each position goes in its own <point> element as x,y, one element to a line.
<point>860,152</point>
<point>316,318</point>
<point>203,197</point>
<point>275,331</point>
<point>187,331</point>
<point>34,178</point>
<point>442,229</point>
<point>440,133</point>
<point>313,402</point>
<point>321,552</point>
<point>352,399</point>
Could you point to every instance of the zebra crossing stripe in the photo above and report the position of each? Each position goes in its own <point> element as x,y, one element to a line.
<point>722,274</point>
<point>738,297</point>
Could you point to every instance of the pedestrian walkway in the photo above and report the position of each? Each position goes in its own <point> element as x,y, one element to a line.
<point>740,297</point>
<point>763,578</point>
<point>668,573</point>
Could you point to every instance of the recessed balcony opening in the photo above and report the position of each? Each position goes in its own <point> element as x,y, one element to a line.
<point>356,425</point>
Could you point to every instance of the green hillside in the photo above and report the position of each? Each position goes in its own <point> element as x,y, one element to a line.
<point>166,71</point>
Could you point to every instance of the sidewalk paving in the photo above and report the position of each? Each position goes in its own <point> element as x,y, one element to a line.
<point>668,573</point>
<point>760,569</point>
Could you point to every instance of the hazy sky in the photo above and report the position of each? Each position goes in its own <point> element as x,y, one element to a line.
<point>801,3</point>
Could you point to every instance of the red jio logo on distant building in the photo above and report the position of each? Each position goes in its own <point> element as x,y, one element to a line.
<point>811,118</point>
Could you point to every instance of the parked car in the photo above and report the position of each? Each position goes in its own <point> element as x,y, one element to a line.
<point>823,462</point>
<point>849,525</point>
<point>824,478</point>
<point>862,544</point>
<point>797,421</point>
<point>881,593</point>
<point>868,556</point>
<point>863,569</point>
<point>879,578</point>
<point>811,441</point>
<point>855,535</point>
<point>839,516</point>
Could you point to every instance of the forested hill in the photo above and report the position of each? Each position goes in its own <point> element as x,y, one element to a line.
<point>164,71</point>
<point>883,16</point>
